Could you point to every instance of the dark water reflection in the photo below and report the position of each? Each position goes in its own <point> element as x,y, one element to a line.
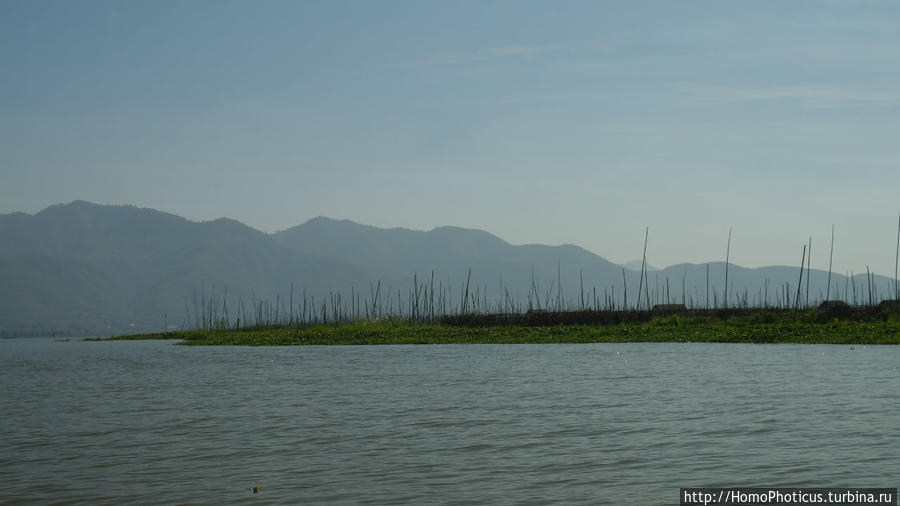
<point>150,422</point>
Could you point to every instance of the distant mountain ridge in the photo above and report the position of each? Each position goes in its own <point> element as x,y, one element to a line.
<point>442,248</point>
<point>345,238</point>
<point>94,269</point>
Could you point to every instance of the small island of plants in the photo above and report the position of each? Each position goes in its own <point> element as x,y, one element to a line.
<point>832,325</point>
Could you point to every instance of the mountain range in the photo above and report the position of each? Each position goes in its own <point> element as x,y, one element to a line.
<point>89,269</point>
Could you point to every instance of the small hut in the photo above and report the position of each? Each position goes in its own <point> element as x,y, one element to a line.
<point>669,308</point>
<point>833,309</point>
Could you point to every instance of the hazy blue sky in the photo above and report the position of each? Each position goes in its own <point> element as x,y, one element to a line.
<point>547,122</point>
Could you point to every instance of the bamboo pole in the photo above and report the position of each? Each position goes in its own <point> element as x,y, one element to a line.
<point>808,260</point>
<point>830,258</point>
<point>897,262</point>
<point>800,282</point>
<point>727,258</point>
<point>643,264</point>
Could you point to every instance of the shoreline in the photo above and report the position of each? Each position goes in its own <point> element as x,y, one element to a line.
<point>799,328</point>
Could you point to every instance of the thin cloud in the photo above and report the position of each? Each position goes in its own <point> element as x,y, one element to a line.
<point>514,51</point>
<point>524,51</point>
<point>811,96</point>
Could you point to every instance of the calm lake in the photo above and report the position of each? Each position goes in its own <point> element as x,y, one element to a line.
<point>151,422</point>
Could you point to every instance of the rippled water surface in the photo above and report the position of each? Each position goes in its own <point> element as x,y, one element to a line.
<point>150,422</point>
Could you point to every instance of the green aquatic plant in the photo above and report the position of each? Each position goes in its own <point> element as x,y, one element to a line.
<point>778,327</point>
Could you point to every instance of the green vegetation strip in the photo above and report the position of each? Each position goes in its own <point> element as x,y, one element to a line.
<point>669,329</point>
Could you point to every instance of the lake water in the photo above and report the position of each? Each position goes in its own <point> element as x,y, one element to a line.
<point>151,422</point>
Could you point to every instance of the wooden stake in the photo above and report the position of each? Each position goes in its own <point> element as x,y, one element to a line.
<point>830,258</point>
<point>727,257</point>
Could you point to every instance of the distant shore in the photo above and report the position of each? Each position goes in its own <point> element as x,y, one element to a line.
<point>759,327</point>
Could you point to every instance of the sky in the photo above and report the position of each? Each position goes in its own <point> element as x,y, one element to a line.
<point>540,122</point>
